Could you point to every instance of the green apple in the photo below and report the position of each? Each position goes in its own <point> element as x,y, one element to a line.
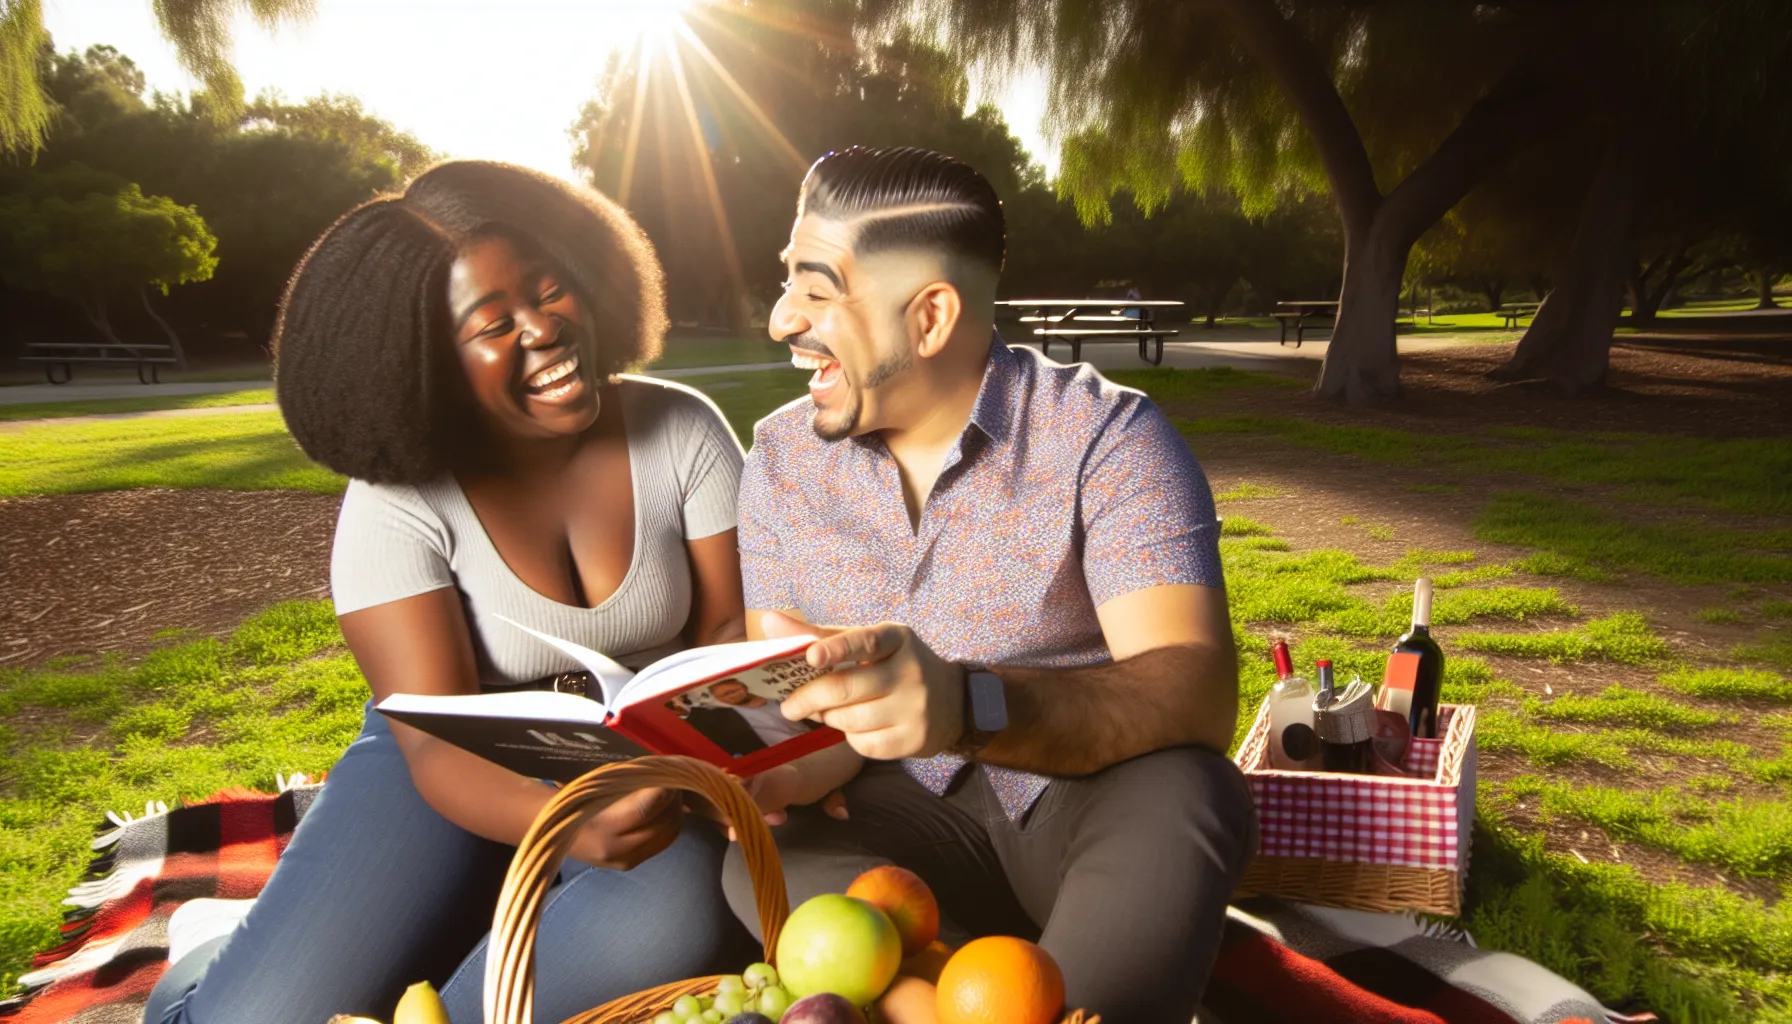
<point>841,945</point>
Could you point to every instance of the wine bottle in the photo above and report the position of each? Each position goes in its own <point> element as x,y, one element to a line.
<point>1346,726</point>
<point>1415,672</point>
<point>1292,741</point>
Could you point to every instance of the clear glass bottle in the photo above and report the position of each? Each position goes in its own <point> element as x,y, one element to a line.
<point>1293,745</point>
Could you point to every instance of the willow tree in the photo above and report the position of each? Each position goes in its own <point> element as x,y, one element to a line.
<point>199,29</point>
<point>1397,107</point>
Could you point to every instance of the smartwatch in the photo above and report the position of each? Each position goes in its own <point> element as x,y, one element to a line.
<point>985,710</point>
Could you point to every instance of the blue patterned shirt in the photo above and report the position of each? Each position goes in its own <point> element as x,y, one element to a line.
<point>1064,491</point>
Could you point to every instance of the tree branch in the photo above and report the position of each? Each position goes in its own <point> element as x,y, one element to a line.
<point>1297,70</point>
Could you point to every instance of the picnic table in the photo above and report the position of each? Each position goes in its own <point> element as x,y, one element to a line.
<point>1296,311</point>
<point>1079,320</point>
<point>1512,312</point>
<point>148,358</point>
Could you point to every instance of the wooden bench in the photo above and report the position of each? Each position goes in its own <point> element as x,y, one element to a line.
<point>147,358</point>
<point>1515,311</point>
<point>1146,334</point>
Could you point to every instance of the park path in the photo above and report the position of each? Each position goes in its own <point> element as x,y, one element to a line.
<point>1267,355</point>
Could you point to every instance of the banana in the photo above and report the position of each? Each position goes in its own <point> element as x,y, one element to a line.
<point>420,1005</point>
<point>343,1018</point>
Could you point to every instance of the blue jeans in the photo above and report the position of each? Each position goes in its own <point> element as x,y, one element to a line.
<point>377,891</point>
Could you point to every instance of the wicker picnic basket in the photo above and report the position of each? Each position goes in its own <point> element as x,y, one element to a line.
<point>1366,842</point>
<point>510,964</point>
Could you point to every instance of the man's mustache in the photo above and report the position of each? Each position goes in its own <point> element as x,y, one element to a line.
<point>808,343</point>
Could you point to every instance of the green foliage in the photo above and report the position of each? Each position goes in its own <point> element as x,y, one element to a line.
<point>1730,684</point>
<point>24,114</point>
<point>1622,637</point>
<point>1718,616</point>
<point>1618,705</point>
<point>288,631</point>
<point>91,237</point>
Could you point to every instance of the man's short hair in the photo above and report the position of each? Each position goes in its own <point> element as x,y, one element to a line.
<point>908,198</point>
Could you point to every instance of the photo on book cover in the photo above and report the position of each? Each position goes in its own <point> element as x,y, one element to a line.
<point>737,715</point>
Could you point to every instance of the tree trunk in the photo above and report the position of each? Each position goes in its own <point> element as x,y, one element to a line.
<point>1569,342</point>
<point>1493,292</point>
<point>1216,299</point>
<point>1765,278</point>
<point>180,355</point>
<point>1638,291</point>
<point>95,311</point>
<point>1362,363</point>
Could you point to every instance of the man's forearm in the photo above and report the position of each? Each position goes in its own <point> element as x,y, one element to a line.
<point>1080,720</point>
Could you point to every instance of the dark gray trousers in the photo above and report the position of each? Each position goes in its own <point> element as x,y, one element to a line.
<point>1123,876</point>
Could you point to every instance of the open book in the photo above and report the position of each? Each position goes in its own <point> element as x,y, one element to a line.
<point>717,703</point>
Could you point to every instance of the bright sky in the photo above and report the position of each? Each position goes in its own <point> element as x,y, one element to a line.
<point>493,79</point>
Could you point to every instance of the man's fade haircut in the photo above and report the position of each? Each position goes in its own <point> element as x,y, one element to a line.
<point>908,198</point>
<point>365,366</point>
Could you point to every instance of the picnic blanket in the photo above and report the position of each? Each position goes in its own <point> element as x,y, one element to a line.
<point>1280,962</point>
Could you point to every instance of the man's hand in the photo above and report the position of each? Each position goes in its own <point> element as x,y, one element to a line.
<point>630,830</point>
<point>889,693</point>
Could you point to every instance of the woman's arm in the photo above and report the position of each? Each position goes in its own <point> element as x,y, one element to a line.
<point>420,645</point>
<point>718,614</point>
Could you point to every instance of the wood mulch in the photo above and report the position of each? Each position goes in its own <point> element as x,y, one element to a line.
<point>114,571</point>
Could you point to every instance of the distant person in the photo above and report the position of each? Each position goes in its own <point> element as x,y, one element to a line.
<point>1133,311</point>
<point>455,351</point>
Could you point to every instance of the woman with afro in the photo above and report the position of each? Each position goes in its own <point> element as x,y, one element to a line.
<point>456,352</point>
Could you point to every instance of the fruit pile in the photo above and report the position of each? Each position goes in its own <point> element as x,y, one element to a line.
<point>873,955</point>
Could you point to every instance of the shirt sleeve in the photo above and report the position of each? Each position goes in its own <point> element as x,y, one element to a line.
<point>710,473</point>
<point>389,546</point>
<point>1147,510</point>
<point>767,583</point>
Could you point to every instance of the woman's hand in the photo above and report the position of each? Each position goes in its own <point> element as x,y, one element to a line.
<point>631,830</point>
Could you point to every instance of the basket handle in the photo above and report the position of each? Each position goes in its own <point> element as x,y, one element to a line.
<point>510,956</point>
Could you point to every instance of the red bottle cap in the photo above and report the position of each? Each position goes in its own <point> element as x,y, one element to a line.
<point>1284,662</point>
<point>1324,663</point>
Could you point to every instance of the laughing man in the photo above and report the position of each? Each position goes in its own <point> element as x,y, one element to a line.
<point>1016,564</point>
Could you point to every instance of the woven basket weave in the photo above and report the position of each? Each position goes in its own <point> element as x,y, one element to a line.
<point>510,962</point>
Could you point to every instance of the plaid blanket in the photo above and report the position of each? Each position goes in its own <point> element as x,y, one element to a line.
<point>1280,962</point>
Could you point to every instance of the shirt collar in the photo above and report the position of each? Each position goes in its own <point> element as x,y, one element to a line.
<point>993,412</point>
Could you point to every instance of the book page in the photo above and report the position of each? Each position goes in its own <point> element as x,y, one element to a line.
<point>784,670</point>
<point>611,677</point>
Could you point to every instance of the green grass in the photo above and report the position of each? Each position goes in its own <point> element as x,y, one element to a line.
<point>1554,563</point>
<point>1380,531</point>
<point>687,349</point>
<point>1619,705</point>
<point>1748,837</point>
<point>1683,552</point>
<point>1622,637</point>
<point>1775,609</point>
<point>1770,650</point>
<point>253,451</point>
<point>1248,491</point>
<point>1730,684</point>
<point>1751,475</point>
<point>1169,384</point>
<point>57,410</point>
<point>1718,616</point>
<point>278,695</point>
<point>245,451</point>
<point>1239,526</point>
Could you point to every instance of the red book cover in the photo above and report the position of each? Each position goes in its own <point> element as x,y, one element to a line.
<point>718,704</point>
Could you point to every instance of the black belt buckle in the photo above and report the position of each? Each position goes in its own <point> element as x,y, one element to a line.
<point>578,683</point>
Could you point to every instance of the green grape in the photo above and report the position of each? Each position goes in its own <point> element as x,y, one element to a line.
<point>665,1017</point>
<point>730,1003</point>
<point>686,1007</point>
<point>712,1017</point>
<point>774,1001</point>
<point>731,983</point>
<point>759,976</point>
<point>706,1001</point>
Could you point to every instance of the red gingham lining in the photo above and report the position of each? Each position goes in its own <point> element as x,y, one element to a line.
<point>1416,822</point>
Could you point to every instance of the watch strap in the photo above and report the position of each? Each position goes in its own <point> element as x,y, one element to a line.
<point>985,710</point>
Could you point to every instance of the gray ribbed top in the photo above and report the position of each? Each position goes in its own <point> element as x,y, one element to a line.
<point>398,541</point>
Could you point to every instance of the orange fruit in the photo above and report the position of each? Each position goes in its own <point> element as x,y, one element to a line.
<point>908,1001</point>
<point>928,963</point>
<point>1001,980</point>
<point>905,899</point>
